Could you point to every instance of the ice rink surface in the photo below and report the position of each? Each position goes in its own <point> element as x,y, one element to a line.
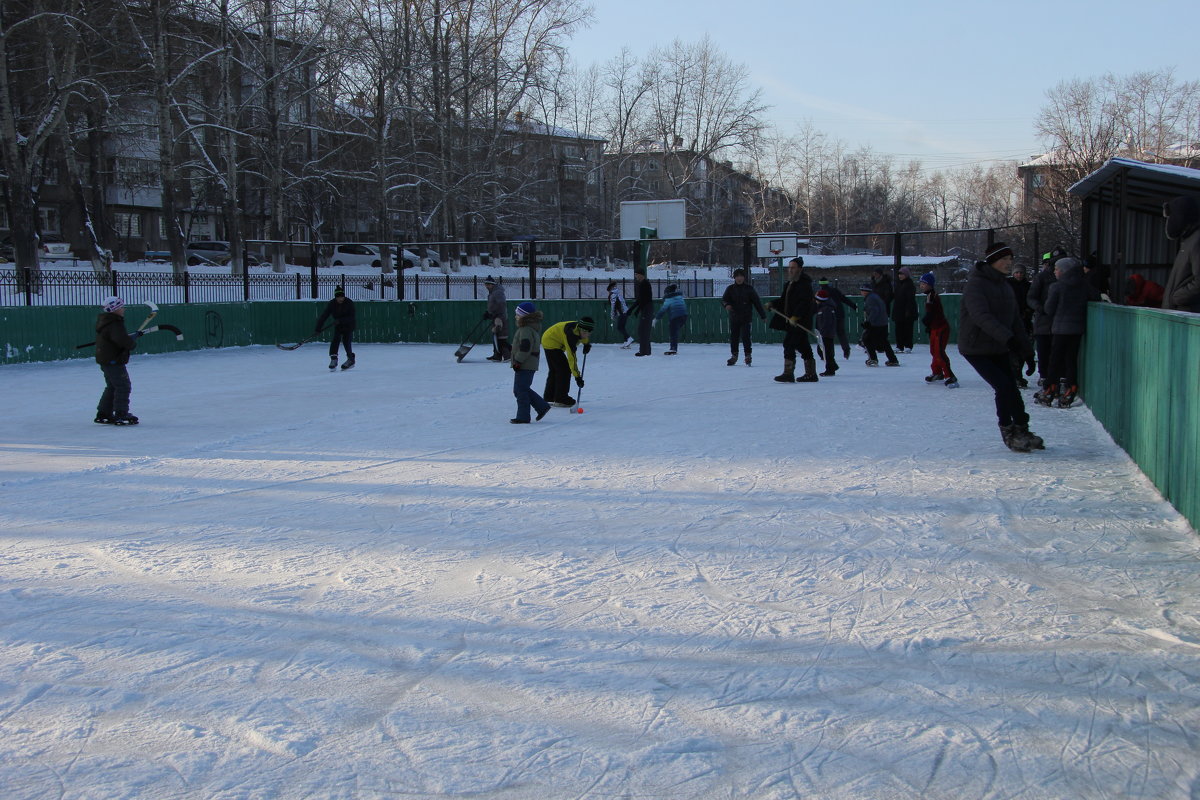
<point>287,583</point>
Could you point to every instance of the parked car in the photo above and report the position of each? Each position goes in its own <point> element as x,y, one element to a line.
<point>211,252</point>
<point>367,255</point>
<point>55,248</point>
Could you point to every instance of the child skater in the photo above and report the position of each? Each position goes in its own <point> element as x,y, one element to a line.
<point>526,358</point>
<point>826,323</point>
<point>938,326</point>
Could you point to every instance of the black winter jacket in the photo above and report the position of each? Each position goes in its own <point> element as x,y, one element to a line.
<point>796,301</point>
<point>904,303</point>
<point>742,300</point>
<point>1067,301</point>
<point>342,313</point>
<point>988,315</point>
<point>643,299</point>
<point>113,343</point>
<point>1182,290</point>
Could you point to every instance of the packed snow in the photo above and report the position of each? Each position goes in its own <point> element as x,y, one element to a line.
<point>290,583</point>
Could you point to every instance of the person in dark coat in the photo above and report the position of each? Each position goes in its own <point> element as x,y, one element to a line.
<point>1182,291</point>
<point>1066,305</point>
<point>904,310</point>
<point>341,308</point>
<point>497,312</point>
<point>643,306</point>
<point>882,282</point>
<point>792,313</point>
<point>113,346</point>
<point>875,327</point>
<point>741,301</point>
<point>1020,286</point>
<point>840,304</point>
<point>938,327</point>
<point>1143,293</point>
<point>1035,298</point>
<point>989,329</point>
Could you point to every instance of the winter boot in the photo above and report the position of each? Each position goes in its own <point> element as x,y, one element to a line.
<point>1030,438</point>
<point>1013,439</point>
<point>349,362</point>
<point>951,381</point>
<point>1069,392</point>
<point>103,419</point>
<point>789,373</point>
<point>810,372</point>
<point>748,359</point>
<point>935,377</point>
<point>732,360</point>
<point>831,367</point>
<point>333,362</point>
<point>1046,396</point>
<point>125,419</point>
<point>628,343</point>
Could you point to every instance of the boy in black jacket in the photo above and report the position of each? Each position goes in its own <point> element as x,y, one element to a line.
<point>113,346</point>
<point>741,300</point>
<point>341,308</point>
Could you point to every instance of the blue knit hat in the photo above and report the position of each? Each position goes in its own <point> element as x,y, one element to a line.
<point>525,309</point>
<point>929,279</point>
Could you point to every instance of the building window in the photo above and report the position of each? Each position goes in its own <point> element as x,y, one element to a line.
<point>49,220</point>
<point>127,225</point>
<point>571,151</point>
<point>135,171</point>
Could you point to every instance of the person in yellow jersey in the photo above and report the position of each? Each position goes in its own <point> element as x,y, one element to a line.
<point>558,346</point>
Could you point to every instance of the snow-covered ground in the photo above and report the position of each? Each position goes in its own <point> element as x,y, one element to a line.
<point>287,583</point>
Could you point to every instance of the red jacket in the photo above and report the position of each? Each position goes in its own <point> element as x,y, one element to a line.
<point>1141,292</point>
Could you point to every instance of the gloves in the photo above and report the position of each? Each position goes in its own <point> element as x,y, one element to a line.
<point>516,366</point>
<point>579,381</point>
<point>794,320</point>
<point>486,315</point>
<point>1030,367</point>
<point>497,324</point>
<point>587,348</point>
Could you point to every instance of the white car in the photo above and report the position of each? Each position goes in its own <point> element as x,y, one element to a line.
<point>55,248</point>
<point>367,255</point>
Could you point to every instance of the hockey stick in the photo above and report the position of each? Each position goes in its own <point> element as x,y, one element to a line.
<point>579,397</point>
<point>297,345</point>
<point>788,320</point>
<point>153,314</point>
<point>142,332</point>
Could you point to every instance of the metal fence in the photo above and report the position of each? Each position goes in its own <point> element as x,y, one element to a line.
<point>63,287</point>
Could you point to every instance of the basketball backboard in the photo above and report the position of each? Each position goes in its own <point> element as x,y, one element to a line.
<point>777,245</point>
<point>667,217</point>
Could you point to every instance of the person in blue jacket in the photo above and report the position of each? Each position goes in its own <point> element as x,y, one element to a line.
<point>675,309</point>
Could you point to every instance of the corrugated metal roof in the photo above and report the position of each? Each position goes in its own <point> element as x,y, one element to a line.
<point>1147,180</point>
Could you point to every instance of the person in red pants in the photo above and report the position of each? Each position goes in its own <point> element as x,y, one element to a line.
<point>938,326</point>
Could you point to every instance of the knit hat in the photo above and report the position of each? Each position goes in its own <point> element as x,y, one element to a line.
<point>996,252</point>
<point>823,281</point>
<point>585,324</point>
<point>525,309</point>
<point>1067,264</point>
<point>799,261</point>
<point>339,292</point>
<point>739,271</point>
<point>822,294</point>
<point>489,280</point>
<point>671,288</point>
<point>906,272</point>
<point>611,285</point>
<point>929,279</point>
<point>866,287</point>
<point>113,303</point>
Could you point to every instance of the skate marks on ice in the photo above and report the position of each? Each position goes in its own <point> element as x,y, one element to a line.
<point>659,598</point>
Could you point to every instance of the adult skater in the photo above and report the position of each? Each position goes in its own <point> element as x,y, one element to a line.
<point>904,310</point>
<point>618,310</point>
<point>794,313</point>
<point>526,358</point>
<point>1182,290</point>
<point>989,329</point>
<point>741,300</point>
<point>113,346</point>
<point>643,306</point>
<point>341,308</point>
<point>1066,306</point>
<point>558,346</point>
<point>497,312</point>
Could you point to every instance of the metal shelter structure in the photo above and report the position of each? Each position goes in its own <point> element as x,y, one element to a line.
<point>1122,221</point>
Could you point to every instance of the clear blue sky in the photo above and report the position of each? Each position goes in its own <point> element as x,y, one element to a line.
<point>946,82</point>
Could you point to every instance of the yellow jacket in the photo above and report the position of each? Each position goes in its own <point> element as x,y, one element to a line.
<point>563,336</point>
